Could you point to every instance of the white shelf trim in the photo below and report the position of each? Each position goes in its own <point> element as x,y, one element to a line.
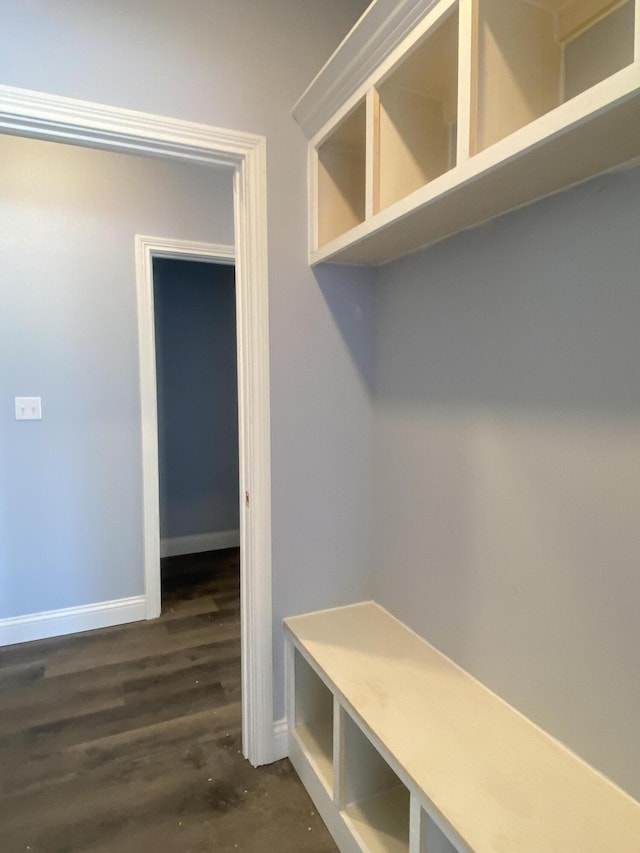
<point>383,26</point>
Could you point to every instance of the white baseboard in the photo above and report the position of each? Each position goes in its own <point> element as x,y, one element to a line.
<point>199,542</point>
<point>280,739</point>
<point>71,620</point>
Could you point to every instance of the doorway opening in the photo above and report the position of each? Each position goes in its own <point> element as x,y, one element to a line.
<point>197,404</point>
<point>41,115</point>
<point>148,251</point>
<point>198,475</point>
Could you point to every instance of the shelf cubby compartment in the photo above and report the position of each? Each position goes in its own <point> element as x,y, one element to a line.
<point>531,56</point>
<point>314,719</point>
<point>374,802</point>
<point>430,838</point>
<point>342,177</point>
<point>416,131</point>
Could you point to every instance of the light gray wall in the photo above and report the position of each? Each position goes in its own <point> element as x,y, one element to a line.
<point>240,65</point>
<point>195,325</point>
<point>507,456</point>
<point>506,403</point>
<point>71,484</point>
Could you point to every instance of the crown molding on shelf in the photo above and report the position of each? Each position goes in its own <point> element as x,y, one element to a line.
<point>381,28</point>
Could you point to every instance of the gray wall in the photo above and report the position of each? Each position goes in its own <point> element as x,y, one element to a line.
<point>238,65</point>
<point>71,484</point>
<point>506,435</point>
<point>507,456</point>
<point>195,325</point>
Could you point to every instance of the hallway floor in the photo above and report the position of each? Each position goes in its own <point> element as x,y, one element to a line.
<point>127,740</point>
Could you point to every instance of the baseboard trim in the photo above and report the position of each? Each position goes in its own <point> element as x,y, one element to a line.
<point>280,739</point>
<point>71,620</point>
<point>179,545</point>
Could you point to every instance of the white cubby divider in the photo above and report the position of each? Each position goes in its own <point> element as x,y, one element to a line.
<point>402,751</point>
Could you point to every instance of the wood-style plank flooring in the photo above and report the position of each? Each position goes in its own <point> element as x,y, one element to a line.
<point>127,740</point>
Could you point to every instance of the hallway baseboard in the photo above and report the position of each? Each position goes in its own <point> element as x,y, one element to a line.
<point>180,545</point>
<point>71,620</point>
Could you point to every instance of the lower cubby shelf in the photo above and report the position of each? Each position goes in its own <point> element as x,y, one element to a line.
<point>381,823</point>
<point>404,752</point>
<point>374,802</point>
<point>358,793</point>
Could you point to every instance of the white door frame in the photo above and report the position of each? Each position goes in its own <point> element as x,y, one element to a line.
<point>27,113</point>
<point>146,249</point>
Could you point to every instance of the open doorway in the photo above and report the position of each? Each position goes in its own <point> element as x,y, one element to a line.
<point>197,401</point>
<point>257,725</point>
<point>51,117</point>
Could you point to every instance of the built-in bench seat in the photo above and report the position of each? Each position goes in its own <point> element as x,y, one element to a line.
<point>402,750</point>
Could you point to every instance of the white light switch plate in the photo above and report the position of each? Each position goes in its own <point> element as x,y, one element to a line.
<point>28,408</point>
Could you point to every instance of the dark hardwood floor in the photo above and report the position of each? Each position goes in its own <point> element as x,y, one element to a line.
<point>127,740</point>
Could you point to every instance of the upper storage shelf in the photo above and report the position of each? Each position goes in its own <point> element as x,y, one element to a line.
<point>416,112</point>
<point>533,56</point>
<point>432,117</point>
<point>341,177</point>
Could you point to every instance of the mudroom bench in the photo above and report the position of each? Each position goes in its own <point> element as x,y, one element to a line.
<point>402,750</point>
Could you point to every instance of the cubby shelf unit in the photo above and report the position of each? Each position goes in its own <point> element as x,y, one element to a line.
<point>481,107</point>
<point>419,757</point>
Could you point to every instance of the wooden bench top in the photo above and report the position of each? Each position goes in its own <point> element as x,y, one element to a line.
<point>501,782</point>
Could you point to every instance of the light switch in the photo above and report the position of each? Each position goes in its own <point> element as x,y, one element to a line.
<point>28,408</point>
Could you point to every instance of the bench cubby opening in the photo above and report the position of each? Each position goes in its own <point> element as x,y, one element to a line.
<point>531,56</point>
<point>374,802</point>
<point>431,839</point>
<point>313,723</point>
<point>342,177</point>
<point>417,116</point>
